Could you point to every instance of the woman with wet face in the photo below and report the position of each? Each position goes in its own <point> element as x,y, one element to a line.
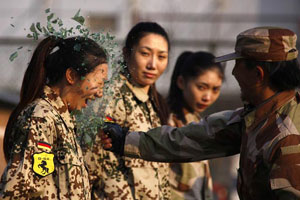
<point>138,106</point>
<point>195,85</point>
<point>44,159</point>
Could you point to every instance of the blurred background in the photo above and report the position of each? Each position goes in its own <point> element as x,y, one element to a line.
<point>210,25</point>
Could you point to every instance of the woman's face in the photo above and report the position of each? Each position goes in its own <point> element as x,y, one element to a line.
<point>88,87</point>
<point>200,92</point>
<point>148,59</point>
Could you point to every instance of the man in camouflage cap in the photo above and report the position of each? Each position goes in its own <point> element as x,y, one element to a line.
<point>266,131</point>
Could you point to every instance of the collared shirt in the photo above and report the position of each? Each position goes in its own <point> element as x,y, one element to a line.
<point>46,160</point>
<point>267,138</point>
<point>121,177</point>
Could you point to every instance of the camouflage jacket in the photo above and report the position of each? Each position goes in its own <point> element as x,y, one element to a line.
<point>195,177</point>
<point>121,177</point>
<point>46,161</point>
<point>266,137</point>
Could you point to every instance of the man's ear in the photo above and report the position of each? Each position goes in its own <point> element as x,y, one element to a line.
<point>261,75</point>
<point>71,76</point>
<point>180,82</point>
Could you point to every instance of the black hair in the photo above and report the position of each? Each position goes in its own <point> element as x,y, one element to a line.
<point>49,62</point>
<point>189,65</point>
<point>283,75</point>
<point>139,31</point>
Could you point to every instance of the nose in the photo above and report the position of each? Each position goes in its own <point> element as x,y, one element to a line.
<point>207,96</point>
<point>151,65</point>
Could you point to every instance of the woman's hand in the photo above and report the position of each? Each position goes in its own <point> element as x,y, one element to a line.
<point>105,140</point>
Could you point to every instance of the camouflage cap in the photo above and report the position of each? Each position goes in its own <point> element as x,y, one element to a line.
<point>264,44</point>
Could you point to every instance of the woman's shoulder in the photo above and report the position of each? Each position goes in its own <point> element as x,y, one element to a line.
<point>39,108</point>
<point>174,120</point>
<point>117,86</point>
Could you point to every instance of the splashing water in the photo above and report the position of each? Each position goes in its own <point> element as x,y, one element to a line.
<point>90,119</point>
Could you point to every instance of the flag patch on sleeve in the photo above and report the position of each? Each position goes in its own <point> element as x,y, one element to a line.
<point>44,145</point>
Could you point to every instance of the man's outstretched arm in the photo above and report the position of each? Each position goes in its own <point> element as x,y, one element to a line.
<point>217,135</point>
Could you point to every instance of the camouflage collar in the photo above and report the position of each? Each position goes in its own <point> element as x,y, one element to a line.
<point>138,92</point>
<point>190,116</point>
<point>253,118</point>
<point>56,102</point>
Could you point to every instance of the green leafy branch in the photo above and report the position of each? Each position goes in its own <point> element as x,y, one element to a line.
<point>90,119</point>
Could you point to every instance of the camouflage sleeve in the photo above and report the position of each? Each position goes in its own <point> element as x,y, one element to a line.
<point>189,171</point>
<point>285,171</point>
<point>217,135</point>
<point>19,181</point>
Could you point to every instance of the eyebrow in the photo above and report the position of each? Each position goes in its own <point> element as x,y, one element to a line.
<point>207,85</point>
<point>148,48</point>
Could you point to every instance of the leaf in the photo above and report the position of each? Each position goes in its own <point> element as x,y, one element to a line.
<point>38,26</point>
<point>47,10</point>
<point>35,36</point>
<point>13,56</point>
<point>50,16</point>
<point>45,31</point>
<point>50,27</point>
<point>20,47</point>
<point>78,18</point>
<point>54,21</point>
<point>32,28</point>
<point>29,35</point>
<point>77,47</point>
<point>60,23</point>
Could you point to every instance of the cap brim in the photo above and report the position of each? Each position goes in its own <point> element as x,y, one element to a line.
<point>231,56</point>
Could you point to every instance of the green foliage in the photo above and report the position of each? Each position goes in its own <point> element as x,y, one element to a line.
<point>90,119</point>
<point>78,18</point>
<point>13,56</point>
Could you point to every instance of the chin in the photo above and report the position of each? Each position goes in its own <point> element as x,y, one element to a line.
<point>199,110</point>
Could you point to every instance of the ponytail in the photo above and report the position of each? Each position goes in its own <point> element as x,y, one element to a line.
<point>160,105</point>
<point>33,82</point>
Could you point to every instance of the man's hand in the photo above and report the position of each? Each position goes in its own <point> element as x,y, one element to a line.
<point>113,137</point>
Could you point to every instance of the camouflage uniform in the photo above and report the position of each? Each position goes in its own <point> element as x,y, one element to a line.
<point>267,139</point>
<point>195,175</point>
<point>127,178</point>
<point>46,161</point>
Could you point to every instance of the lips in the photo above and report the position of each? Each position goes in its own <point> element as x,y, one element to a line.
<point>149,75</point>
<point>201,106</point>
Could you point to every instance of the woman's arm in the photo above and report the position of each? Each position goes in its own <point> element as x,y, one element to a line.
<point>25,175</point>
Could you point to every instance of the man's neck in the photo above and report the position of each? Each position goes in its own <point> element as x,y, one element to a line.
<point>263,96</point>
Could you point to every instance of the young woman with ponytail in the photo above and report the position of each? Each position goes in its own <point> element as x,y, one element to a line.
<point>195,85</point>
<point>44,159</point>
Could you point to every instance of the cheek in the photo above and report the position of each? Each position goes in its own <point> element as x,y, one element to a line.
<point>134,70</point>
<point>137,63</point>
<point>162,67</point>
<point>215,97</point>
<point>190,95</point>
<point>88,88</point>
